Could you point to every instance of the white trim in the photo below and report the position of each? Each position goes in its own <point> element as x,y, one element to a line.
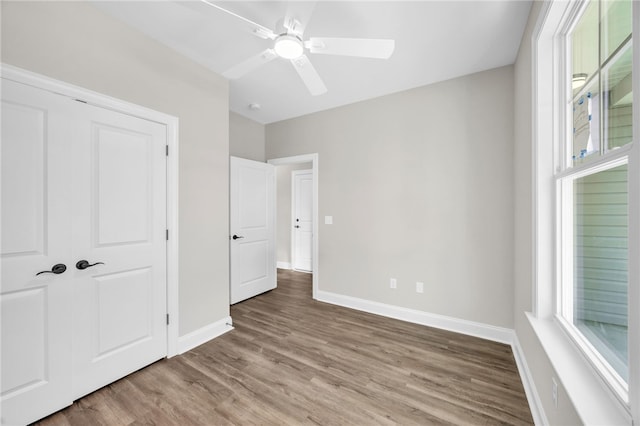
<point>283,265</point>
<point>573,366</point>
<point>173,248</point>
<point>30,78</point>
<point>315,167</point>
<point>544,106</point>
<point>204,334</point>
<point>587,392</point>
<point>530,390</point>
<point>634,228</point>
<point>19,75</point>
<point>471,328</point>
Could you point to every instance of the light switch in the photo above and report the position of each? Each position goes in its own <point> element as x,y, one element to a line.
<point>328,220</point>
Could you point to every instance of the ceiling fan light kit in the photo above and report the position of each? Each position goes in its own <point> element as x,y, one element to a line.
<point>291,46</point>
<point>288,46</point>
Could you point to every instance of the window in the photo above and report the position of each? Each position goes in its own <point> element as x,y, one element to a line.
<point>592,184</point>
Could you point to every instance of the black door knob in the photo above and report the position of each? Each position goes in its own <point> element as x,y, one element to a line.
<point>56,269</point>
<point>83,264</point>
<point>236,237</point>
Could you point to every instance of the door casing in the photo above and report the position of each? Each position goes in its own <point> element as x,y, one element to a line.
<point>313,159</point>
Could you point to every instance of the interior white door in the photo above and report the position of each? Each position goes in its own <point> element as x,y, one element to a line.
<point>302,200</point>
<point>252,228</point>
<point>36,342</point>
<point>79,183</point>
<point>119,218</point>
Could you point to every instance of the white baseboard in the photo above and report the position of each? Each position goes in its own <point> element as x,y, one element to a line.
<point>204,334</point>
<point>485,331</point>
<point>535,404</point>
<point>283,265</point>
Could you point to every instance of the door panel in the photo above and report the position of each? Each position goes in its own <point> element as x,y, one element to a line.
<point>131,292</point>
<point>120,201</point>
<point>252,217</point>
<point>253,184</point>
<point>256,261</point>
<point>303,220</point>
<point>30,346</point>
<point>122,181</point>
<point>36,345</point>
<point>23,154</point>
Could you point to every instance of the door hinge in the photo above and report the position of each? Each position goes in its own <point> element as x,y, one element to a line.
<point>167,234</point>
<point>167,150</point>
<point>167,319</point>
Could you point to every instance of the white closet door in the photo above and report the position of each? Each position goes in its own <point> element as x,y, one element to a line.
<point>79,183</point>
<point>36,217</point>
<point>119,219</point>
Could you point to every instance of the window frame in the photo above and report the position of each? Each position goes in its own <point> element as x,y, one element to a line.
<point>550,84</point>
<point>565,265</point>
<point>567,172</point>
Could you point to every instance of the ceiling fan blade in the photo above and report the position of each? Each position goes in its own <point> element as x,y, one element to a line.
<point>259,30</point>
<point>298,16</point>
<point>250,64</point>
<point>362,47</point>
<point>309,75</point>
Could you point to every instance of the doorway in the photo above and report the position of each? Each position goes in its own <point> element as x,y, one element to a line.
<point>284,167</point>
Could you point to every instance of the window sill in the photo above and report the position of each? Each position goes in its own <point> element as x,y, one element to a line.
<point>594,402</point>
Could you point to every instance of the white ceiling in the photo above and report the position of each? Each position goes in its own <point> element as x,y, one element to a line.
<point>435,41</point>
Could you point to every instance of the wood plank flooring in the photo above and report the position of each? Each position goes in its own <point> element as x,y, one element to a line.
<point>292,360</point>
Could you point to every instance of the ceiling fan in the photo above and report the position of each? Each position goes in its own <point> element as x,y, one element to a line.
<point>288,44</point>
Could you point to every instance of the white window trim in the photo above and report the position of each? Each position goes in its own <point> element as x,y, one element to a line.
<point>592,397</point>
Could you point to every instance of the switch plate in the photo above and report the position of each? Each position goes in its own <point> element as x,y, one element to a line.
<point>419,287</point>
<point>393,283</point>
<point>328,220</point>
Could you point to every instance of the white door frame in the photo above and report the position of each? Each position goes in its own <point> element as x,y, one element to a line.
<point>313,159</point>
<point>103,101</point>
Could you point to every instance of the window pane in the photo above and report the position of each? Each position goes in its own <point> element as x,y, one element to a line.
<point>600,264</point>
<point>584,42</point>
<point>617,96</point>
<point>616,25</point>
<point>586,124</point>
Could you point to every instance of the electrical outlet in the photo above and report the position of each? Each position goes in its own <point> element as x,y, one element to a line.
<point>554,392</point>
<point>419,287</point>
<point>393,283</point>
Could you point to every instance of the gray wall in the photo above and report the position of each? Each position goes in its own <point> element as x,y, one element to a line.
<point>246,138</point>
<point>420,187</point>
<point>536,357</point>
<point>283,221</point>
<point>74,42</point>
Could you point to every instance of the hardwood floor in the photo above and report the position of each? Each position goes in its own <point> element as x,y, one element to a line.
<point>292,360</point>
